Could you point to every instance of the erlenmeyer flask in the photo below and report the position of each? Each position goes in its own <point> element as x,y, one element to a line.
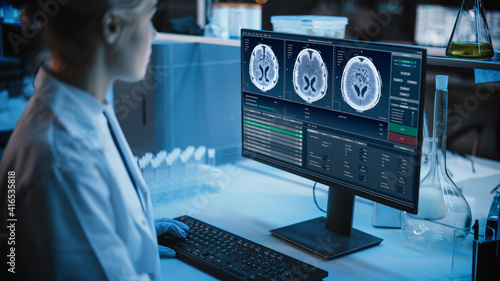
<point>444,216</point>
<point>470,38</point>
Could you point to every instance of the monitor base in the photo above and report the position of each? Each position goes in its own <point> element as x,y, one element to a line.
<point>313,236</point>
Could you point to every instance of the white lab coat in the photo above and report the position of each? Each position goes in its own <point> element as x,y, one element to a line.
<point>78,214</point>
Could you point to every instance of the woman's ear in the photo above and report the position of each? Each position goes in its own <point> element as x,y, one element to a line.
<point>110,27</point>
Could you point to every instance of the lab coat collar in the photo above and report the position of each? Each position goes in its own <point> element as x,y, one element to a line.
<point>70,104</point>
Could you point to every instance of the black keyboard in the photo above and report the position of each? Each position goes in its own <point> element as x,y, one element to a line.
<point>227,256</point>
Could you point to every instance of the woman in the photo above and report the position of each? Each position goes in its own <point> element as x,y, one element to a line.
<point>82,209</point>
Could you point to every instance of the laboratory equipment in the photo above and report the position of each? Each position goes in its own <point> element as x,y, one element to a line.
<point>427,148</point>
<point>211,157</point>
<point>493,216</point>
<point>443,210</point>
<point>485,255</point>
<point>373,153</point>
<point>228,256</point>
<point>227,18</point>
<point>470,38</point>
<point>435,20</point>
<point>328,26</point>
<point>180,173</point>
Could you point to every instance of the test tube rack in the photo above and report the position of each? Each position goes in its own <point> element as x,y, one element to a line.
<point>180,174</point>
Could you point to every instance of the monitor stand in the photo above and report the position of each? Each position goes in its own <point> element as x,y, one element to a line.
<point>332,236</point>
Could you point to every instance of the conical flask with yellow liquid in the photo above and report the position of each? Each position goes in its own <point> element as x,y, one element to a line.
<point>470,38</point>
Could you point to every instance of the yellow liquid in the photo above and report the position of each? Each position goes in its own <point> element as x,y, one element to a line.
<point>470,50</point>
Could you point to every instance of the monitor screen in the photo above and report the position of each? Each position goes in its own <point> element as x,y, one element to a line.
<point>344,113</point>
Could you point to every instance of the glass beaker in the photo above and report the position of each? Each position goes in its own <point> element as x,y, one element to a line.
<point>444,216</point>
<point>470,38</point>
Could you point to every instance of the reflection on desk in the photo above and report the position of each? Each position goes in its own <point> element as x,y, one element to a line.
<point>255,198</point>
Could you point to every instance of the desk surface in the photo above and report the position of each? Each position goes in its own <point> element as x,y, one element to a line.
<point>255,198</point>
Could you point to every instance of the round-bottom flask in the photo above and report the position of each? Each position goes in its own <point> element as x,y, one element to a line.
<point>444,217</point>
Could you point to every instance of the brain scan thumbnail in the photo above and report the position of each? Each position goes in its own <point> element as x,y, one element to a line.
<point>310,75</point>
<point>361,84</point>
<point>264,68</point>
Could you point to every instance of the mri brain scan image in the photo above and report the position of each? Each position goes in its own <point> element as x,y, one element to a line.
<point>361,84</point>
<point>310,76</point>
<point>264,68</point>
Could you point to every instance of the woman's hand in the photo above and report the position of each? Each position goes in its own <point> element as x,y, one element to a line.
<point>170,227</point>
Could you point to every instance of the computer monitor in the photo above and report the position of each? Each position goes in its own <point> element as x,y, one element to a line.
<point>344,113</point>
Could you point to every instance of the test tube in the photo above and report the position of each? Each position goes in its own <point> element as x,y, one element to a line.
<point>148,155</point>
<point>190,149</point>
<point>187,159</point>
<point>184,159</point>
<point>199,155</point>
<point>147,170</point>
<point>176,152</point>
<point>175,168</point>
<point>146,158</point>
<point>168,169</point>
<point>188,154</point>
<point>155,164</point>
<point>142,167</point>
<point>211,157</point>
<point>162,153</point>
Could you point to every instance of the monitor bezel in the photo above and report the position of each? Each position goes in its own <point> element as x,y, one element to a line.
<point>400,206</point>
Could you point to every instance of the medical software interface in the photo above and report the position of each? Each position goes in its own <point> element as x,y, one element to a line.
<point>334,110</point>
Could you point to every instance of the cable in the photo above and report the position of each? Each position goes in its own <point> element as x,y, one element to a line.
<point>314,197</point>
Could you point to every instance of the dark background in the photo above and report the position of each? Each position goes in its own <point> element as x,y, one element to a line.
<point>379,20</point>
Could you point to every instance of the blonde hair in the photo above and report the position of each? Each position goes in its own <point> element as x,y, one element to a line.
<point>69,26</point>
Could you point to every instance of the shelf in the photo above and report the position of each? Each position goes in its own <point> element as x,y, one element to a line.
<point>461,63</point>
<point>169,37</point>
<point>435,56</point>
